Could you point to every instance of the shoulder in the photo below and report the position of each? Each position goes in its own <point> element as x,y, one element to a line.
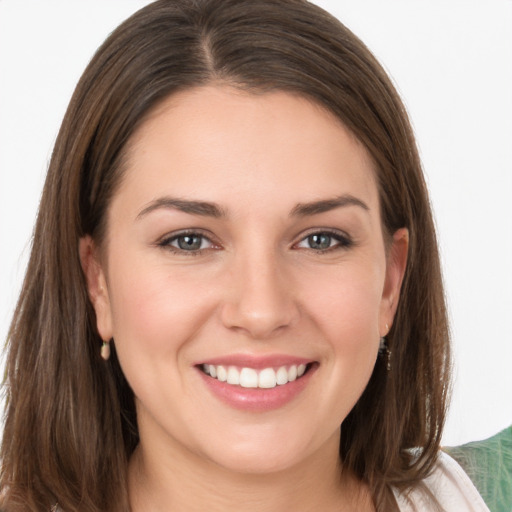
<point>489,465</point>
<point>450,485</point>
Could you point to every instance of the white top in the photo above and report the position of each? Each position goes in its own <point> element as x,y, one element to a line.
<point>450,485</point>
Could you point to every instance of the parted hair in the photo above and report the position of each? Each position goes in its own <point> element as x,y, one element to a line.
<point>70,420</point>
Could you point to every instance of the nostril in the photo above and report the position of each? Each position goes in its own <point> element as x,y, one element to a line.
<point>259,320</point>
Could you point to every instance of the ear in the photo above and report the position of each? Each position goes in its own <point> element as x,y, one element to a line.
<point>96,286</point>
<point>395,271</point>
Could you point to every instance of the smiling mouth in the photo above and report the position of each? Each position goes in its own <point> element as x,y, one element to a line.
<point>266,378</point>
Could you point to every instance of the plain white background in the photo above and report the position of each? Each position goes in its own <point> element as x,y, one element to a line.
<point>452,64</point>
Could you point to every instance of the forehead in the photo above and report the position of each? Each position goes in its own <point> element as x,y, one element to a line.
<point>219,141</point>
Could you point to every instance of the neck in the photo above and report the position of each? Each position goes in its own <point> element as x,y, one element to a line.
<point>185,482</point>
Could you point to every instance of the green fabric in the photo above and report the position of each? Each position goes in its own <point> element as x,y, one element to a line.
<point>489,465</point>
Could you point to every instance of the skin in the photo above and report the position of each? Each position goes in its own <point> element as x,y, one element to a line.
<point>257,286</point>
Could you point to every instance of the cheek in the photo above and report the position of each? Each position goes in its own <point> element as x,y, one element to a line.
<point>347,315</point>
<point>353,335</point>
<point>153,310</point>
<point>155,316</point>
<point>347,304</point>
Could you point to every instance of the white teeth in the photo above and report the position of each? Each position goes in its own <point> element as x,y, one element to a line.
<point>282,376</point>
<point>267,378</point>
<point>222,374</point>
<point>233,376</point>
<point>251,378</point>
<point>248,378</point>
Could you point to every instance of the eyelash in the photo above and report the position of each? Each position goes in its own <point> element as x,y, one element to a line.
<point>166,242</point>
<point>343,242</point>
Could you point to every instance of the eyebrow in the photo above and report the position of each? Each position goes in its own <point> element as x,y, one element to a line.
<point>208,209</point>
<point>203,208</point>
<point>325,205</point>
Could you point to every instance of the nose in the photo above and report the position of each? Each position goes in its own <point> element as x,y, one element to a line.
<point>261,301</point>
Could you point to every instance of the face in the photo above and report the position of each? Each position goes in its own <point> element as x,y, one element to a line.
<point>245,278</point>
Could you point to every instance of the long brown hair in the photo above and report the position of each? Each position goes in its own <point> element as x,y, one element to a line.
<point>70,424</point>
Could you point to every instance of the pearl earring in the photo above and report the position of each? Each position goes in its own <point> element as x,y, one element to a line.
<point>105,350</point>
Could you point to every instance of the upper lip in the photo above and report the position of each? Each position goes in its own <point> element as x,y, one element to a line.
<point>256,362</point>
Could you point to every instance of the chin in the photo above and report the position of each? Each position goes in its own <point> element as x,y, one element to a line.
<point>260,454</point>
<point>257,462</point>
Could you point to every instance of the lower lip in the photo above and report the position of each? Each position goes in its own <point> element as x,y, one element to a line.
<point>257,399</point>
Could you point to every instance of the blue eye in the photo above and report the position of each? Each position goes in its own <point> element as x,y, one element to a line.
<point>324,241</point>
<point>186,242</point>
<point>320,241</point>
<point>189,242</point>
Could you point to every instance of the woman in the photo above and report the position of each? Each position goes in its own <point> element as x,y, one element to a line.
<point>234,226</point>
